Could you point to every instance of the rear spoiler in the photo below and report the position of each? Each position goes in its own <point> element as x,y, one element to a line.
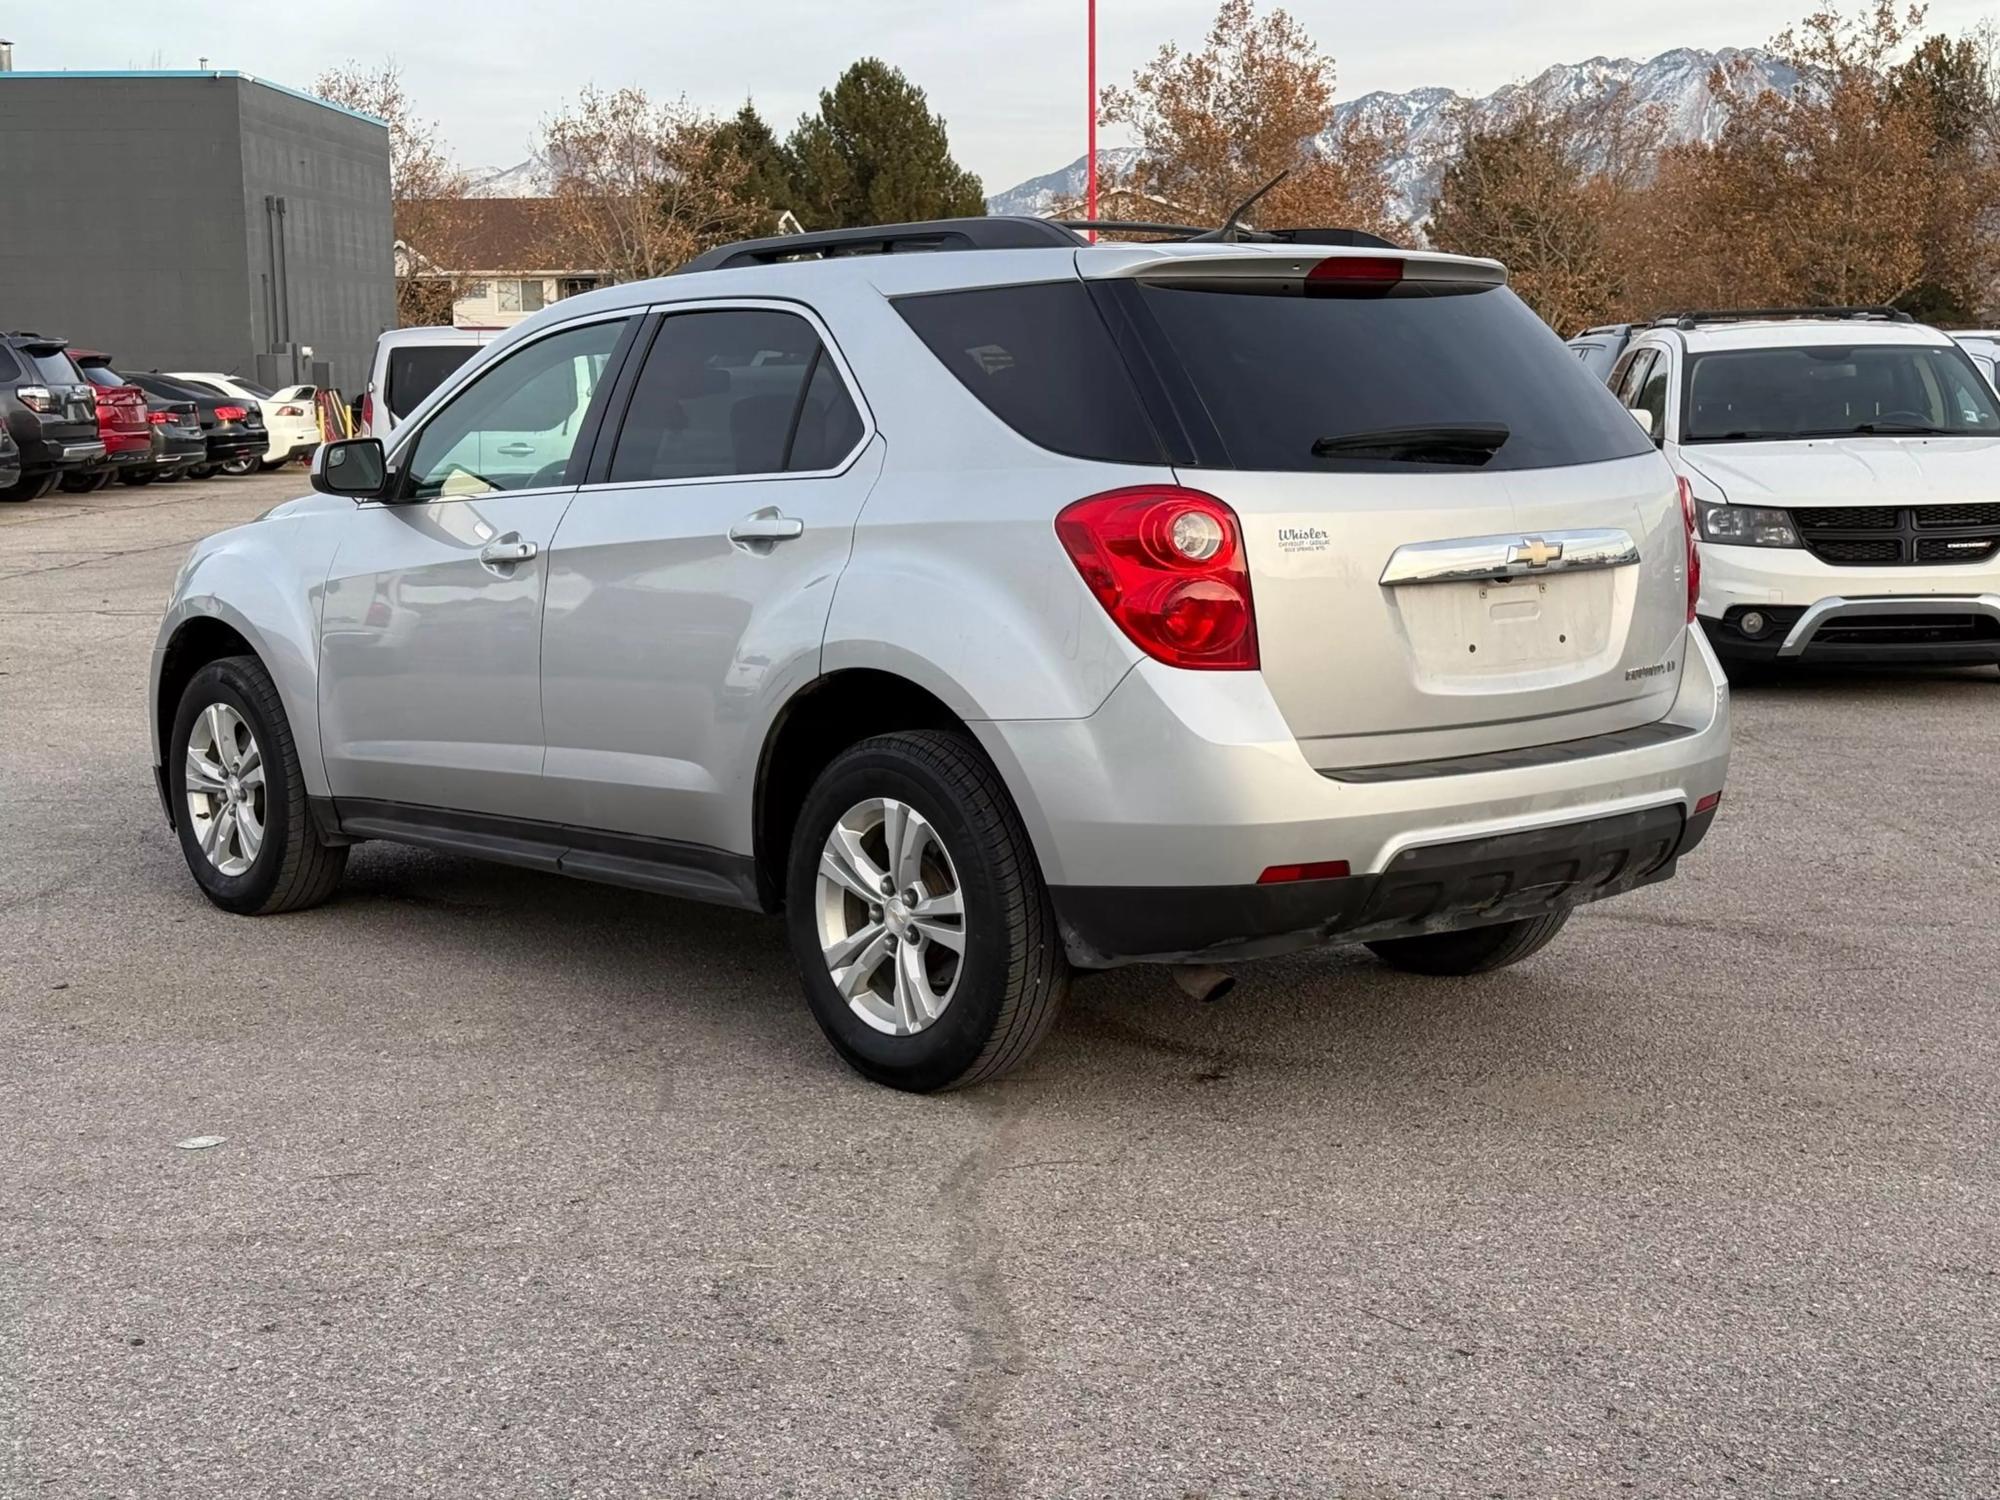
<point>1348,269</point>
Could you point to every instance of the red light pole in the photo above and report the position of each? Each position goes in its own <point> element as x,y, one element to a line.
<point>1090,194</point>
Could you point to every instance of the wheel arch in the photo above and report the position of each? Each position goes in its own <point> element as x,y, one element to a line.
<point>822,719</point>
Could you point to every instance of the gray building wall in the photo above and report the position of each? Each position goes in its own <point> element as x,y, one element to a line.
<point>133,219</point>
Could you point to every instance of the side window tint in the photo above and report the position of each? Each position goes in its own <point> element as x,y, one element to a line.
<point>723,393</point>
<point>1653,395</point>
<point>829,424</point>
<point>1635,377</point>
<point>516,426</point>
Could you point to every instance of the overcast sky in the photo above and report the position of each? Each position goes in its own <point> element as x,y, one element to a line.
<point>1008,75</point>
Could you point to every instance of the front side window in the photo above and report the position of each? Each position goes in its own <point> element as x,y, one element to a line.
<point>1835,390</point>
<point>515,427</point>
<point>731,392</point>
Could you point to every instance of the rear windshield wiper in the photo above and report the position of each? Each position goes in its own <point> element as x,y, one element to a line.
<point>1440,443</point>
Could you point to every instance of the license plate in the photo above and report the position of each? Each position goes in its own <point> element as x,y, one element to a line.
<point>1472,632</point>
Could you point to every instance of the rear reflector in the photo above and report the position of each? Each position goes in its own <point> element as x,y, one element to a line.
<point>1325,869</point>
<point>1709,803</point>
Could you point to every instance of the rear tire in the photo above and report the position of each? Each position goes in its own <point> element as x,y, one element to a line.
<point>202,471</point>
<point>27,487</point>
<point>984,1004</point>
<point>232,724</point>
<point>87,484</point>
<point>237,467</point>
<point>1475,950</point>
<point>138,476</point>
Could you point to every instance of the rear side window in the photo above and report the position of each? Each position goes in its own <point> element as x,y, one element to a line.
<point>415,370</point>
<point>9,370</point>
<point>1040,359</point>
<point>735,391</point>
<point>1278,375</point>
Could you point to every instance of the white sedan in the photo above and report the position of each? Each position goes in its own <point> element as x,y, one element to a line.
<point>289,415</point>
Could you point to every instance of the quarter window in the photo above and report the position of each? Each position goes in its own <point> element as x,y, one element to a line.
<point>735,391</point>
<point>516,426</point>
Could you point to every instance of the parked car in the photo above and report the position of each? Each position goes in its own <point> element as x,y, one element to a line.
<point>989,612</point>
<point>1845,466</point>
<point>121,422</point>
<point>1984,349</point>
<point>291,425</point>
<point>1600,347</point>
<point>232,427</point>
<point>409,364</point>
<point>50,410</point>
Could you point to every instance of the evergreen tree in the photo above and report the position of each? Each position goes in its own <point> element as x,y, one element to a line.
<point>875,154</point>
<point>768,168</point>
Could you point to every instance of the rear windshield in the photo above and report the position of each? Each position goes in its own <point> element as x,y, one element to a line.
<point>1039,358</point>
<point>1828,390</point>
<point>1280,375</point>
<point>52,369</point>
<point>103,375</point>
<point>418,369</point>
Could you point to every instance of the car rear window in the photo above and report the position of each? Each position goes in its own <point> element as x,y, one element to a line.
<point>103,375</point>
<point>1278,374</point>
<point>1040,359</point>
<point>415,370</point>
<point>53,369</point>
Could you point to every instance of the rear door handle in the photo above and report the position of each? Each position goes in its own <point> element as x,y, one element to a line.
<point>507,551</point>
<point>767,526</point>
<point>517,450</point>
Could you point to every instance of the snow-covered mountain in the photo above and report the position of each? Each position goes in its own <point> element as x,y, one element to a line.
<point>527,179</point>
<point>1673,85</point>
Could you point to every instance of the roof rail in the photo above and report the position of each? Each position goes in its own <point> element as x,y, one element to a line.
<point>996,232</point>
<point>1695,318</point>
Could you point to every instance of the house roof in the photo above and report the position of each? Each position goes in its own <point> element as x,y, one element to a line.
<point>504,234</point>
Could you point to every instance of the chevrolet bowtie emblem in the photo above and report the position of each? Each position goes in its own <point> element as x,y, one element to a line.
<point>1535,552</point>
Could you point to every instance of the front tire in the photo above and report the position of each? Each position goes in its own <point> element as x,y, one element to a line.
<point>918,916</point>
<point>240,802</point>
<point>1476,950</point>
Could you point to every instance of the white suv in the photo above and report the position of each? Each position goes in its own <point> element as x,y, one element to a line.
<point>1845,464</point>
<point>989,612</point>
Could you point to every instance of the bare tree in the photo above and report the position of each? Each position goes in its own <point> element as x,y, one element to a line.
<point>426,190</point>
<point>639,188</point>
<point>1257,99</point>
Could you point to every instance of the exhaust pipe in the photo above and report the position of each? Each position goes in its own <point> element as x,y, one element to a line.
<point>1204,983</point>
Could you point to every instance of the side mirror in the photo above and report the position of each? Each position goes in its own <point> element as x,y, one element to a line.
<point>355,467</point>
<point>1645,420</point>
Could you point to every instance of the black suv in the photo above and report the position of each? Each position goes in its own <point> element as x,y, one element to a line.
<point>51,412</point>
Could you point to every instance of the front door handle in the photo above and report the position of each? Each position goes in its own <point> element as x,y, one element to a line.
<point>767,526</point>
<point>507,551</point>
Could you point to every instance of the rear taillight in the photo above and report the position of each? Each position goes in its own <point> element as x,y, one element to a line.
<point>160,418</point>
<point>1694,551</point>
<point>368,412</point>
<point>291,411</point>
<point>1167,565</point>
<point>230,414</point>
<point>1342,272</point>
<point>38,398</point>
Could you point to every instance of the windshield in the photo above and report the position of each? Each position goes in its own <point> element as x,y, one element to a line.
<point>1835,390</point>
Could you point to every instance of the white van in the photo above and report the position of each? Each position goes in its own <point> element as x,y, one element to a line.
<point>410,363</point>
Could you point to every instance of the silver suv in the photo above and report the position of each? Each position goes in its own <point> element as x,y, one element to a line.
<point>1022,607</point>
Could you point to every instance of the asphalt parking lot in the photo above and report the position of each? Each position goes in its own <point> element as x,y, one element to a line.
<point>539,1188</point>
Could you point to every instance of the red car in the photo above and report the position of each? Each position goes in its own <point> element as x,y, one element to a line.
<point>121,423</point>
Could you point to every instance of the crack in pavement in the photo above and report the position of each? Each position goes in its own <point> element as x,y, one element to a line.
<point>976,1282</point>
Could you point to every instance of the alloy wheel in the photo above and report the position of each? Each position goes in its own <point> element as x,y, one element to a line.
<point>891,916</point>
<point>225,789</point>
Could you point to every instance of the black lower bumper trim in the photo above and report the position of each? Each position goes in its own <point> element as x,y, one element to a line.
<point>1432,888</point>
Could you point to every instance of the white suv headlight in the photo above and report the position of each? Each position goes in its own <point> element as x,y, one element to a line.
<point>1747,526</point>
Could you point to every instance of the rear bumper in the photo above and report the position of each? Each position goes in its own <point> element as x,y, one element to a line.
<point>61,453</point>
<point>1154,818</point>
<point>1431,888</point>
